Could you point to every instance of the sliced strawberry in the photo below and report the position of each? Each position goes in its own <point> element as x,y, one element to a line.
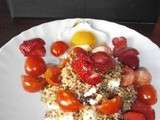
<point>145,109</point>
<point>82,65</point>
<point>130,60</point>
<point>133,116</point>
<point>93,79</point>
<point>126,50</point>
<point>38,52</point>
<point>119,42</point>
<point>103,62</point>
<point>33,47</point>
<point>79,51</point>
<point>84,68</point>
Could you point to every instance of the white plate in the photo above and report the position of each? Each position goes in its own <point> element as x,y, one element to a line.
<point>15,104</point>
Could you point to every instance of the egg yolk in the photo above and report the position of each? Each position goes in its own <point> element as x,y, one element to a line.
<point>83,37</point>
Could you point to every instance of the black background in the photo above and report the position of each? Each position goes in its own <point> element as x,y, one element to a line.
<point>115,10</point>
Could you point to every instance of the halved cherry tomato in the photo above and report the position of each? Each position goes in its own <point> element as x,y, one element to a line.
<point>133,116</point>
<point>52,75</point>
<point>147,110</point>
<point>110,106</point>
<point>58,48</point>
<point>147,94</point>
<point>67,101</point>
<point>35,66</point>
<point>33,84</point>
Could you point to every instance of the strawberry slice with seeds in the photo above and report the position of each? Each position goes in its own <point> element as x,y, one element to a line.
<point>119,42</point>
<point>33,47</point>
<point>83,66</point>
<point>93,79</point>
<point>126,50</point>
<point>130,60</point>
<point>103,62</point>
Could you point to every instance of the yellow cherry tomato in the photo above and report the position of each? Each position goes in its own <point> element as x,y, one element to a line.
<point>83,38</point>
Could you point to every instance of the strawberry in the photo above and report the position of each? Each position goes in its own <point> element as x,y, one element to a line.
<point>83,66</point>
<point>93,79</point>
<point>130,60</point>
<point>33,47</point>
<point>119,42</point>
<point>133,116</point>
<point>126,50</point>
<point>145,109</point>
<point>103,62</point>
<point>79,51</point>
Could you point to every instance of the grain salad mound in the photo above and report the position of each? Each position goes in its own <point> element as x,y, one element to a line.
<point>89,95</point>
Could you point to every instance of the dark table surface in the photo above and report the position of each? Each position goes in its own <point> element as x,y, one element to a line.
<point>10,27</point>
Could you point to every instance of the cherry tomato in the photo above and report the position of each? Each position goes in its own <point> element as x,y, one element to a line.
<point>147,94</point>
<point>58,48</point>
<point>133,116</point>
<point>67,101</point>
<point>35,66</point>
<point>33,84</point>
<point>110,106</point>
<point>52,75</point>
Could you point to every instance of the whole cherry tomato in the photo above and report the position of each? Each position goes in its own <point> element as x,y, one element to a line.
<point>58,48</point>
<point>67,101</point>
<point>33,84</point>
<point>110,106</point>
<point>35,66</point>
<point>147,94</point>
<point>52,75</point>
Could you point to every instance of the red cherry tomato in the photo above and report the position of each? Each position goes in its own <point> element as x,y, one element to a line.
<point>67,101</point>
<point>52,75</point>
<point>133,116</point>
<point>33,84</point>
<point>58,48</point>
<point>110,106</point>
<point>147,110</point>
<point>35,66</point>
<point>147,94</point>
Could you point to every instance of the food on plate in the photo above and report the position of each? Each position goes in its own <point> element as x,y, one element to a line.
<point>93,82</point>
<point>33,47</point>
<point>58,48</point>
<point>35,66</point>
<point>33,84</point>
<point>83,37</point>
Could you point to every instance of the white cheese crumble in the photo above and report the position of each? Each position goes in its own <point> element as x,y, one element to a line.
<point>114,83</point>
<point>90,92</point>
<point>89,114</point>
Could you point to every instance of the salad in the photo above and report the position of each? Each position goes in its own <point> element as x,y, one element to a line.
<point>91,82</point>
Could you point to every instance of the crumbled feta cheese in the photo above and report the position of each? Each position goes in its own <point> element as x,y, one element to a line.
<point>114,83</point>
<point>53,106</point>
<point>90,92</point>
<point>67,116</point>
<point>92,101</point>
<point>89,114</point>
